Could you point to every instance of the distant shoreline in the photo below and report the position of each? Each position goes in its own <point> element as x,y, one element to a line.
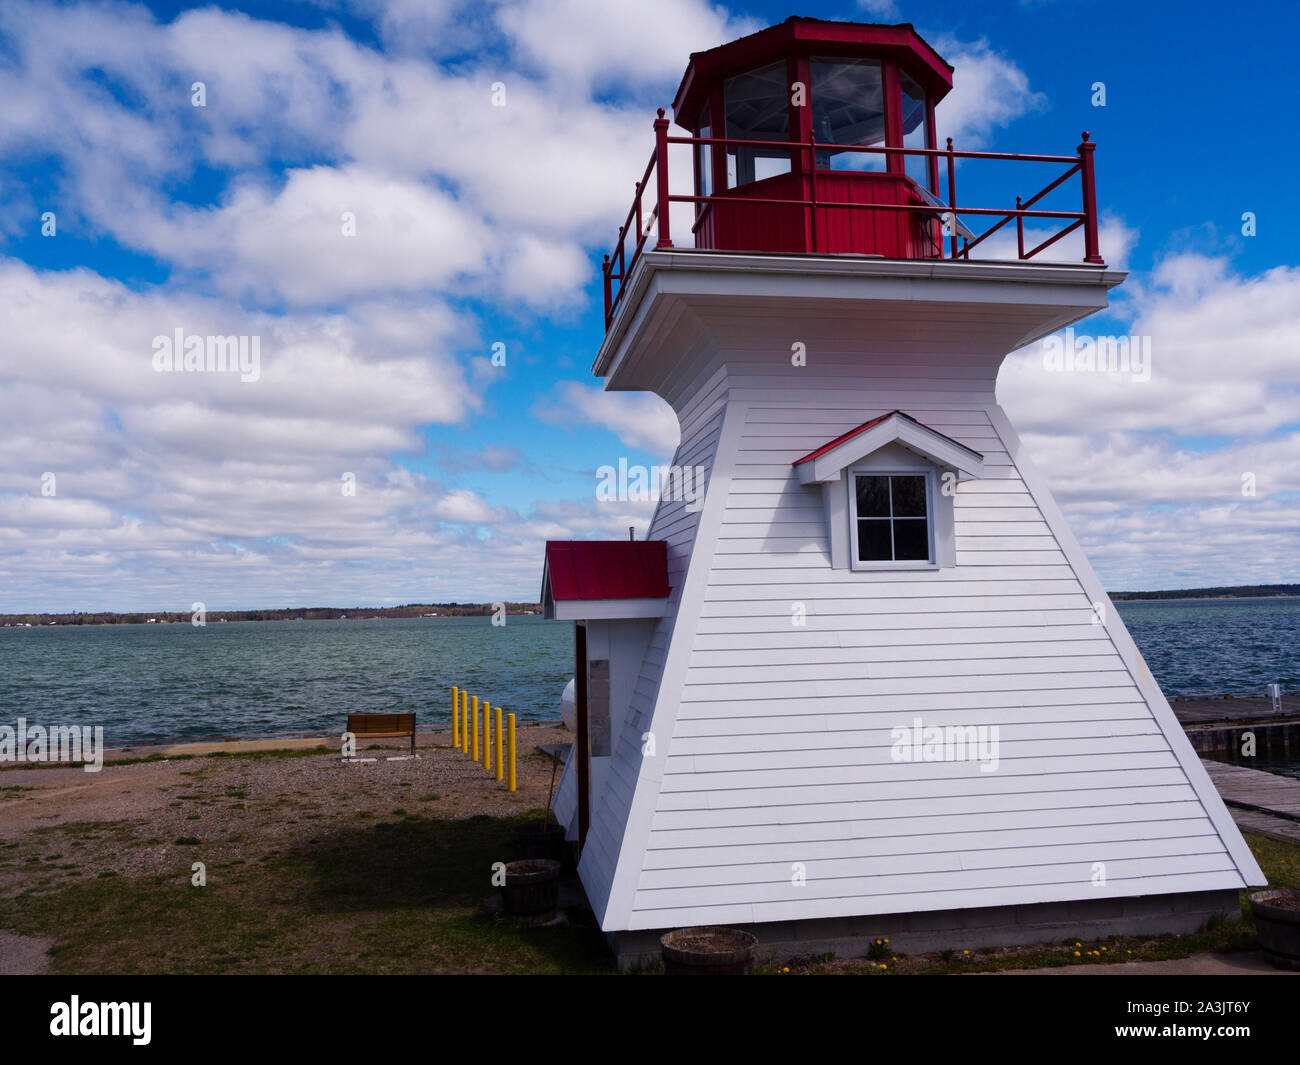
<point>320,613</point>
<point>444,610</point>
<point>1246,591</point>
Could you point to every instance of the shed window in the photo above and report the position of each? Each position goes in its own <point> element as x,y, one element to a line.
<point>598,707</point>
<point>757,107</point>
<point>891,515</point>
<point>848,102</point>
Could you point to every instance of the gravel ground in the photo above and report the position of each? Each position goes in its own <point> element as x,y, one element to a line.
<point>127,819</point>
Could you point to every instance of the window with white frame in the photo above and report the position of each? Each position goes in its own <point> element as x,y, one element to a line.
<point>892,518</point>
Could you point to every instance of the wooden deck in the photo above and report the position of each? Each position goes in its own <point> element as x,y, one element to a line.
<point>1232,710</point>
<point>1259,802</point>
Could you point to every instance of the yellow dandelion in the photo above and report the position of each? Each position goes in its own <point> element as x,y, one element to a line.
<point>1076,953</point>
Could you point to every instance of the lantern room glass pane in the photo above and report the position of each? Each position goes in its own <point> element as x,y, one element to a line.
<point>757,107</point>
<point>848,102</point>
<point>916,128</point>
<point>704,155</point>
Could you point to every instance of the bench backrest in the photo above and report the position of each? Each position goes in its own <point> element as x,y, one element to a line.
<point>381,724</point>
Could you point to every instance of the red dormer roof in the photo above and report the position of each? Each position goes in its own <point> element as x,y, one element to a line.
<point>606,569</point>
<point>826,463</point>
<point>850,435</point>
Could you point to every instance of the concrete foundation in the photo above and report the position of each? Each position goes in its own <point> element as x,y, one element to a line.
<point>991,926</point>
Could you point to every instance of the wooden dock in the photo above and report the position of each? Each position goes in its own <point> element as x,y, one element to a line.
<point>1219,723</point>
<point>1259,802</point>
<point>1232,709</point>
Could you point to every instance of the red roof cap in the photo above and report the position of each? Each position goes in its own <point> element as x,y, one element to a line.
<point>607,569</point>
<point>799,35</point>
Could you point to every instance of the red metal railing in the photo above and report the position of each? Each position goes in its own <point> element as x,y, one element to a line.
<point>639,225</point>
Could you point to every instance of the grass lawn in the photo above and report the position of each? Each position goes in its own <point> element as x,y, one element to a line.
<point>404,891</point>
<point>394,896</point>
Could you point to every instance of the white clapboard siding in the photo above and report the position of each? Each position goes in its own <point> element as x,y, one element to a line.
<point>779,744</point>
<point>868,860</point>
<point>773,736</point>
<point>892,815</point>
<point>686,830</point>
<point>701,420</point>
<point>814,729</point>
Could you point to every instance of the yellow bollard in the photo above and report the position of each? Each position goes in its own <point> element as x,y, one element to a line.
<point>500,768</point>
<point>487,736</point>
<point>464,721</point>
<point>511,783</point>
<point>455,716</point>
<point>474,753</point>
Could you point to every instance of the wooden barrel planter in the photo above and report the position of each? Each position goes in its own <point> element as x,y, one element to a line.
<point>1277,922</point>
<point>531,890</point>
<point>544,841</point>
<point>708,951</point>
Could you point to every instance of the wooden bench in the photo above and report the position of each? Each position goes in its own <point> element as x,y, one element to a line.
<point>382,726</point>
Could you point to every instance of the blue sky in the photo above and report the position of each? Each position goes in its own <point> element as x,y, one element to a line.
<point>478,226</point>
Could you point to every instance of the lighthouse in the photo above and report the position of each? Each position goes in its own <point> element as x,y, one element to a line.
<point>864,683</point>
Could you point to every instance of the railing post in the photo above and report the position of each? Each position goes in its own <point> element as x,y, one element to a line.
<point>812,191</point>
<point>952,200</point>
<point>1091,251</point>
<point>661,175</point>
<point>1020,230</point>
<point>605,268</point>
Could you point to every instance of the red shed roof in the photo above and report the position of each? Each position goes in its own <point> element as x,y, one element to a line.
<point>607,569</point>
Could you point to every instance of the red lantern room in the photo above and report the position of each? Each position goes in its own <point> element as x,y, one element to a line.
<point>818,138</point>
<point>827,99</point>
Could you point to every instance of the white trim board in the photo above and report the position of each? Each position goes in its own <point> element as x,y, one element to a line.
<point>608,609</point>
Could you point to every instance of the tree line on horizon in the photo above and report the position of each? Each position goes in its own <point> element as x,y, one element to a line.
<point>317,613</point>
<point>415,610</point>
<point>1243,591</point>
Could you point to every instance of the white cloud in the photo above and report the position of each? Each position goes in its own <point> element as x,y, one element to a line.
<point>1152,472</point>
<point>179,487</point>
<point>989,91</point>
<point>638,419</point>
<point>884,10</point>
<point>585,42</point>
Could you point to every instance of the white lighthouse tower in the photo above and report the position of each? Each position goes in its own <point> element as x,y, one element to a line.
<point>868,685</point>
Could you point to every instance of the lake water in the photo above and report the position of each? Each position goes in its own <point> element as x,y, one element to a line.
<point>244,677</point>
<point>240,678</point>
